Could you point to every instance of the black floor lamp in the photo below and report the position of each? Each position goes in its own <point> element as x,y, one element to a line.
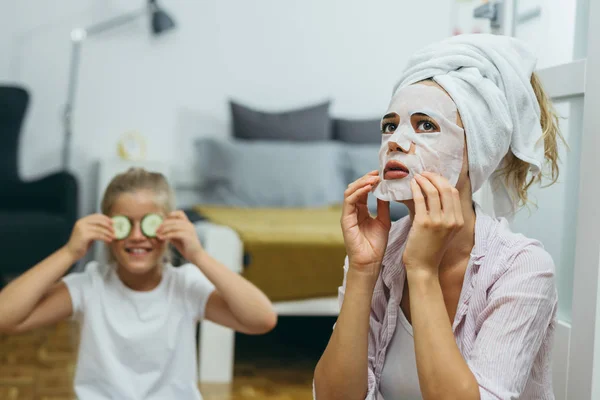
<point>160,22</point>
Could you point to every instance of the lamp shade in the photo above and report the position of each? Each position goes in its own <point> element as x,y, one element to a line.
<point>161,21</point>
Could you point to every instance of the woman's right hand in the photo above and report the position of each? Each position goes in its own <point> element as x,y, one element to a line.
<point>365,237</point>
<point>86,231</point>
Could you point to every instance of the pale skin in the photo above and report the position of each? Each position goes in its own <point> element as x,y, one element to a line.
<point>39,298</point>
<point>436,257</point>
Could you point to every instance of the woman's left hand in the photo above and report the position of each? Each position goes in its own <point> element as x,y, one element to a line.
<point>438,216</point>
<point>178,229</point>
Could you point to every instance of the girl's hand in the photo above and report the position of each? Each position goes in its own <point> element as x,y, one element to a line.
<point>365,237</point>
<point>178,229</point>
<point>86,231</point>
<point>438,216</point>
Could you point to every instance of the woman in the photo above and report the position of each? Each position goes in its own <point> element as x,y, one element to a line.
<point>448,303</point>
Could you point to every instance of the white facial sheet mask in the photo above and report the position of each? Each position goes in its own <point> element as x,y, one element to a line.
<point>440,152</point>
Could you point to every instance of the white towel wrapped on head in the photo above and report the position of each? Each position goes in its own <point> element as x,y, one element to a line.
<point>488,77</point>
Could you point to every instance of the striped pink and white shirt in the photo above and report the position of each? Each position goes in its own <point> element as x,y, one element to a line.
<point>506,314</point>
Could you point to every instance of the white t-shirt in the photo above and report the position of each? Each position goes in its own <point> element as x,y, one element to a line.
<point>399,378</point>
<point>138,345</point>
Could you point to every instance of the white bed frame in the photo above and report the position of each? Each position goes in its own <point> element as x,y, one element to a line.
<point>216,343</point>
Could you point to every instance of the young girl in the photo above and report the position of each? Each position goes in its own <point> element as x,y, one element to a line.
<point>138,313</point>
<point>449,303</point>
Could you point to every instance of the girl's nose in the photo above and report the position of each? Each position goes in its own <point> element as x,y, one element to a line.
<point>136,232</point>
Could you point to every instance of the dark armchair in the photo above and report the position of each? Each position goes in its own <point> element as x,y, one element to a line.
<point>36,217</point>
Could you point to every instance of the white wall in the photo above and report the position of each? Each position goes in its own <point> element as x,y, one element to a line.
<point>5,37</point>
<point>270,54</point>
<point>552,33</point>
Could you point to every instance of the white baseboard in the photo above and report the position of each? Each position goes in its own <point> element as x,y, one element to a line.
<point>325,306</point>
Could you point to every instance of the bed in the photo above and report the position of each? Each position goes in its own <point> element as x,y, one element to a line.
<point>286,238</point>
<point>294,255</point>
<point>289,253</point>
<point>270,199</point>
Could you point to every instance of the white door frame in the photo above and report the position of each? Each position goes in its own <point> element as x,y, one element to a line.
<point>578,79</point>
<point>584,352</point>
<point>572,80</point>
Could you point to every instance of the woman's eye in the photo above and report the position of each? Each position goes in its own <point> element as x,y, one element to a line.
<point>426,126</point>
<point>389,128</point>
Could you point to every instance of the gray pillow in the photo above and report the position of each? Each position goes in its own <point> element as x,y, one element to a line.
<point>272,173</point>
<point>360,159</point>
<point>305,124</point>
<point>359,131</point>
<point>210,162</point>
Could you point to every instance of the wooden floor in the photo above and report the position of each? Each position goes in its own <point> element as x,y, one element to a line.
<point>276,366</point>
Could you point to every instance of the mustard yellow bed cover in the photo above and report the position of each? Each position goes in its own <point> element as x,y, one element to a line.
<point>291,253</point>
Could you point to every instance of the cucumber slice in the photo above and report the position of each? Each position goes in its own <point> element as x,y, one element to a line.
<point>122,226</point>
<point>150,224</point>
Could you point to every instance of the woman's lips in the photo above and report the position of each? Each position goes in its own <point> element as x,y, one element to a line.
<point>395,170</point>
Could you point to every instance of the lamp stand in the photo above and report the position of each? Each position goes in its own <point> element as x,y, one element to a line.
<point>160,23</point>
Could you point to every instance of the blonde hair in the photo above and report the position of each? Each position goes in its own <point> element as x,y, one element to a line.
<point>135,179</point>
<point>515,171</point>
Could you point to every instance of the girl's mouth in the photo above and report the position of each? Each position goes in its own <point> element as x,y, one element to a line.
<point>138,251</point>
<point>395,170</point>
